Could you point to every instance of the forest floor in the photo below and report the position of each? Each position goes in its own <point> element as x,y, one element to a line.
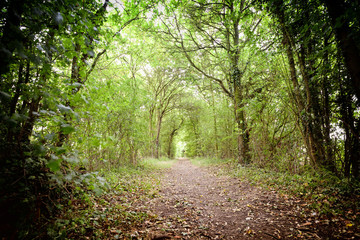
<point>197,203</point>
<point>177,199</point>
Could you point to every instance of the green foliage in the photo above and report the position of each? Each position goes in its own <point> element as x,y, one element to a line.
<point>321,191</point>
<point>324,192</point>
<point>84,91</point>
<point>101,214</point>
<point>49,51</point>
<point>210,161</point>
<point>161,163</point>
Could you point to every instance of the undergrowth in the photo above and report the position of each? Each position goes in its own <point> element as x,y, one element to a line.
<point>161,163</point>
<point>108,210</point>
<point>199,161</point>
<point>328,195</point>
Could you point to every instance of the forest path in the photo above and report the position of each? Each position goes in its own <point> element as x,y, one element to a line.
<point>195,203</point>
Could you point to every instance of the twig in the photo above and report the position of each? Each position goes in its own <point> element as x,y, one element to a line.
<point>271,235</point>
<point>305,230</point>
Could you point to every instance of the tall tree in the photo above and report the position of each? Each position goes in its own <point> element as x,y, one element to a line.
<point>345,22</point>
<point>212,35</point>
<point>320,87</point>
<point>34,42</point>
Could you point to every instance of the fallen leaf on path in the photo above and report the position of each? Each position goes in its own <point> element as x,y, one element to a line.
<point>305,224</point>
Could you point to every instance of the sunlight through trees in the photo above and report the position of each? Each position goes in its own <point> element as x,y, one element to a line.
<point>91,86</point>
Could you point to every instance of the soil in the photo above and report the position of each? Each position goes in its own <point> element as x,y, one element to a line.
<point>196,203</point>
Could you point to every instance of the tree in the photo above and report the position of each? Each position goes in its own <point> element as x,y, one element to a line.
<point>345,22</point>
<point>33,43</point>
<point>174,123</point>
<point>48,51</point>
<point>165,92</point>
<point>208,35</point>
<point>321,89</point>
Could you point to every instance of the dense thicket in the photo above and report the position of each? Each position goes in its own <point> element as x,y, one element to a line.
<point>46,48</point>
<point>85,86</point>
<point>323,82</point>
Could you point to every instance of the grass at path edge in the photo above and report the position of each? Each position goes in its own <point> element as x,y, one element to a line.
<point>107,211</point>
<point>326,194</point>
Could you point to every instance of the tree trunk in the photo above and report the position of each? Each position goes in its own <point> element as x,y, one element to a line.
<point>338,13</point>
<point>301,112</point>
<point>215,120</point>
<point>169,146</point>
<point>171,138</point>
<point>243,133</point>
<point>28,126</point>
<point>194,123</point>
<point>157,140</point>
<point>151,132</point>
<point>352,139</point>
<point>11,34</point>
<point>329,157</point>
<point>312,109</point>
<point>355,156</point>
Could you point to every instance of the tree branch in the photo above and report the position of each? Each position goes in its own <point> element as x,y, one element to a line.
<point>197,68</point>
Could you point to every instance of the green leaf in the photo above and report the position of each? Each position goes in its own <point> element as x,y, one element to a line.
<point>50,136</point>
<point>60,150</point>
<point>64,109</point>
<point>98,191</point>
<point>54,165</point>
<point>67,128</point>
<point>4,95</point>
<point>77,84</point>
<point>91,53</point>
<point>72,159</point>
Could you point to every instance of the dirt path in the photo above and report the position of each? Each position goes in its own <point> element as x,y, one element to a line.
<point>195,203</point>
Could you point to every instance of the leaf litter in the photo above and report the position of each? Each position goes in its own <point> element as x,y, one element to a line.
<point>194,202</point>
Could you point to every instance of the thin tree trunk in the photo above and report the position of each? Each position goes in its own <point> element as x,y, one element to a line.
<point>170,143</point>
<point>28,126</point>
<point>300,106</point>
<point>329,157</point>
<point>151,132</point>
<point>157,140</point>
<point>312,110</point>
<point>171,138</point>
<point>215,120</point>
